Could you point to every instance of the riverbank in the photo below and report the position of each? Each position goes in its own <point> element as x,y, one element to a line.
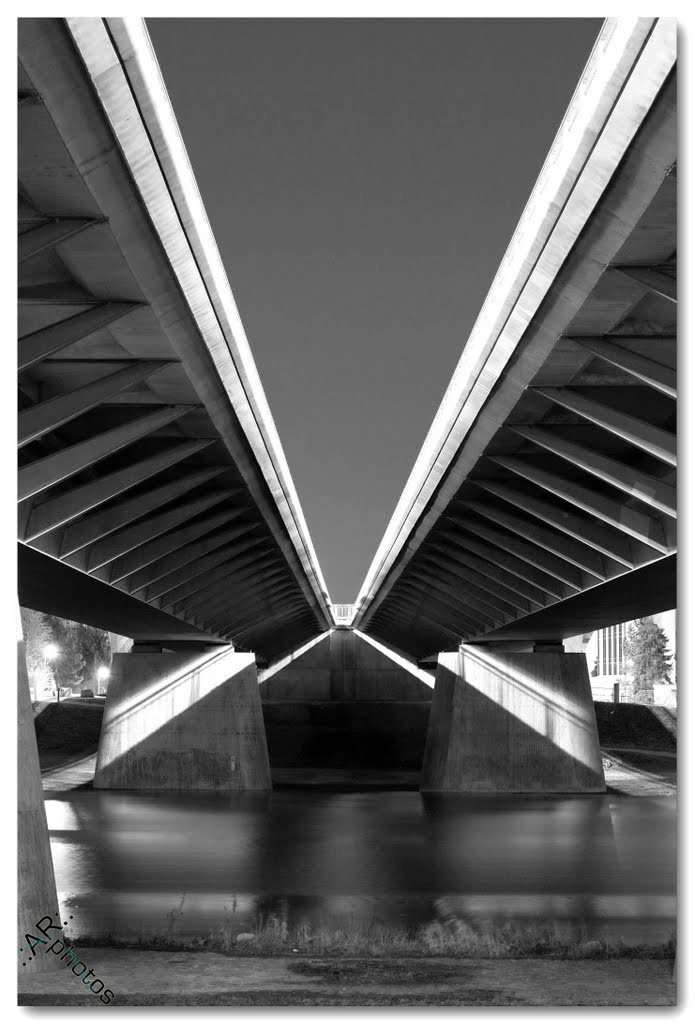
<point>149,978</point>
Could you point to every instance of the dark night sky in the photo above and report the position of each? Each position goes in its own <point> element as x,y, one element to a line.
<point>363,179</point>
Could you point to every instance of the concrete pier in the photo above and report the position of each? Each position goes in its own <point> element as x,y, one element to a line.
<point>36,890</point>
<point>180,722</point>
<point>514,723</point>
<point>344,709</point>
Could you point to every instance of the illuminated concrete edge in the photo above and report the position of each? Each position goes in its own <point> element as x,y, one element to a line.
<point>176,723</point>
<point>119,59</point>
<point>514,723</point>
<point>630,62</point>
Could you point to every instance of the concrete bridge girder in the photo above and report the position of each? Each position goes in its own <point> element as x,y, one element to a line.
<point>144,430</point>
<point>553,453</point>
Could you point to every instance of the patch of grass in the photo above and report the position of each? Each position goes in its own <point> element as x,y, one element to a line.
<point>645,726</point>
<point>453,938</point>
<point>70,728</point>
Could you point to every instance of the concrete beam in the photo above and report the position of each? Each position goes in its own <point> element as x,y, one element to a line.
<point>631,595</point>
<point>260,586</point>
<point>90,529</point>
<point>38,476</point>
<point>50,234</point>
<point>646,371</point>
<point>256,632</point>
<point>47,416</point>
<point>35,347</point>
<point>183,557</point>
<point>468,585</point>
<point>249,618</point>
<point>648,489</point>
<point>653,280</point>
<point>196,558</point>
<point>471,618</point>
<point>230,571</point>
<point>387,614</point>
<point>263,594</point>
<point>653,440</point>
<point>525,559</point>
<point>596,538</point>
<point>645,529</point>
<point>461,569</point>
<point>145,554</point>
<point>457,550</point>
<point>142,532</point>
<point>49,515</point>
<point>51,586</point>
<point>460,609</point>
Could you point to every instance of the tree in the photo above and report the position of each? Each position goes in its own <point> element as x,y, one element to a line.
<point>37,634</point>
<point>96,651</point>
<point>69,663</point>
<point>81,650</point>
<point>650,661</point>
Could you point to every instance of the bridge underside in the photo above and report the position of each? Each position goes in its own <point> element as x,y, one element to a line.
<point>556,513</point>
<point>154,500</point>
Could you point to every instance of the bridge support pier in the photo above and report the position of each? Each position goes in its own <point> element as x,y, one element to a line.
<point>36,890</point>
<point>515,723</point>
<point>180,722</point>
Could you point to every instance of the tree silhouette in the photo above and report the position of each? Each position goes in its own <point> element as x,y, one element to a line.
<point>646,647</point>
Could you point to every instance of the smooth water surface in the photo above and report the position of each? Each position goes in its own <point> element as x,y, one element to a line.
<point>137,865</point>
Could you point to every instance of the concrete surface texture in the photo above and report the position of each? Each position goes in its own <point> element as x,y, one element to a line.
<point>344,667</point>
<point>173,722</point>
<point>36,888</point>
<point>512,723</point>
<point>368,735</point>
<point>345,706</point>
<point>144,977</point>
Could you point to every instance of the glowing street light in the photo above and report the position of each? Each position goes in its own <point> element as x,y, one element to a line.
<point>102,673</point>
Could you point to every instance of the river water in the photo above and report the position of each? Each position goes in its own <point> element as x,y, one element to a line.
<point>137,865</point>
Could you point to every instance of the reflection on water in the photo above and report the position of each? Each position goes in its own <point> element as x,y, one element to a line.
<point>135,865</point>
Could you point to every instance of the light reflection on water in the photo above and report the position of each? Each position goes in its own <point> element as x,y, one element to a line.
<point>135,865</point>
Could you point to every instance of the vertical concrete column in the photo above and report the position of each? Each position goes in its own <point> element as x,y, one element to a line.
<point>36,898</point>
<point>515,723</point>
<point>182,722</point>
<point>343,665</point>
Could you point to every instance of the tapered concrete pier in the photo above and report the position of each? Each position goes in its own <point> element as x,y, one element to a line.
<point>36,890</point>
<point>514,723</point>
<point>178,722</point>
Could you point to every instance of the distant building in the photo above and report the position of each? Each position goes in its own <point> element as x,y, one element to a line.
<point>605,654</point>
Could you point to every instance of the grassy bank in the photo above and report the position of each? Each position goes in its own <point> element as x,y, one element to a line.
<point>272,937</point>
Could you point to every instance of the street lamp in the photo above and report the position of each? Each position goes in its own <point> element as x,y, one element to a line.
<point>102,673</point>
<point>50,653</point>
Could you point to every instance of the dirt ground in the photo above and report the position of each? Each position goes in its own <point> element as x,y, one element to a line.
<point>146,978</point>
